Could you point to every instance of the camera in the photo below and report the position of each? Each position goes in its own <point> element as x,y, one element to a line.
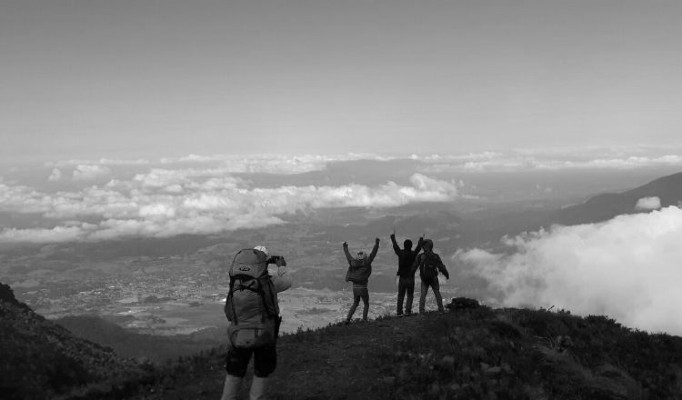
<point>276,259</point>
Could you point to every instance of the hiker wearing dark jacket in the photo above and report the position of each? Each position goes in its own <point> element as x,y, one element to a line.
<point>405,274</point>
<point>359,270</point>
<point>429,264</point>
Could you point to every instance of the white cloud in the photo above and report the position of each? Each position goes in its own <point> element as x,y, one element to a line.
<point>165,202</point>
<point>101,161</point>
<point>88,172</point>
<point>627,268</point>
<point>269,163</point>
<point>44,235</point>
<point>55,176</point>
<point>555,159</point>
<point>648,203</point>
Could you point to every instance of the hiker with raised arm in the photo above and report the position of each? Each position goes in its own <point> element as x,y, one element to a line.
<point>359,270</point>
<point>253,311</point>
<point>406,257</point>
<point>429,264</point>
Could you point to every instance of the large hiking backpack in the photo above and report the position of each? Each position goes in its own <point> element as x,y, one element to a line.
<point>251,304</point>
<point>428,268</point>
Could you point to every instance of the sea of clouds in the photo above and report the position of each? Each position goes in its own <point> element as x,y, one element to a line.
<point>192,195</point>
<point>90,200</point>
<point>629,268</point>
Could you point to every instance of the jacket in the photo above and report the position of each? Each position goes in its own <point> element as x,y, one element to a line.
<point>406,258</point>
<point>360,269</point>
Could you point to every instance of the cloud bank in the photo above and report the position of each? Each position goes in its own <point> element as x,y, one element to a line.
<point>165,202</point>
<point>596,158</point>
<point>627,268</point>
<point>648,203</point>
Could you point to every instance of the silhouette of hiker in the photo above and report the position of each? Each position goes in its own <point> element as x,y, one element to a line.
<point>359,270</point>
<point>429,264</point>
<point>405,273</point>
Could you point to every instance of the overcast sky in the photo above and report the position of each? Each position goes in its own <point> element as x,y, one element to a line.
<point>142,78</point>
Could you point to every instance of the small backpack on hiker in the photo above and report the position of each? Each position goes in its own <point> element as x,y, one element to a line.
<point>251,304</point>
<point>428,267</point>
<point>359,271</point>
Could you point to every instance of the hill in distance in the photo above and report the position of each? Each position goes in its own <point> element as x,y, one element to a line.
<point>139,346</point>
<point>606,206</point>
<point>598,208</point>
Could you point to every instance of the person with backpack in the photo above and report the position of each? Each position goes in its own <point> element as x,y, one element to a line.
<point>253,311</point>
<point>429,264</point>
<point>359,270</point>
<point>405,274</point>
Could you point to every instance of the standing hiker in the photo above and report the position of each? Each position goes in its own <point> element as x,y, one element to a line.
<point>429,263</point>
<point>359,270</point>
<point>405,273</point>
<point>253,311</point>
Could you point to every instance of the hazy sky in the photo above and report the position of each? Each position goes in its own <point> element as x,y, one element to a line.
<point>137,78</point>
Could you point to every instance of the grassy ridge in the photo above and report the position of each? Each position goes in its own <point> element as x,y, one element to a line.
<point>463,354</point>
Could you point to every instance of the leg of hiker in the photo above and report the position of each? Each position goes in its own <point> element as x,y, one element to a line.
<point>231,387</point>
<point>236,362</point>
<point>401,295</point>
<point>422,297</point>
<point>409,288</point>
<point>365,300</point>
<point>436,292</point>
<point>356,301</point>
<point>264,363</point>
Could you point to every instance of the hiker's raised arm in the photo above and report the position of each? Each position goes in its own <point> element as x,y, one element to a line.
<point>374,250</point>
<point>396,248</point>
<point>283,280</point>
<point>415,264</point>
<point>346,252</point>
<point>420,243</point>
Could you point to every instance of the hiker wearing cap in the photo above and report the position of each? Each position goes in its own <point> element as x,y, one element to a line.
<point>253,311</point>
<point>429,264</point>
<point>406,257</point>
<point>359,270</point>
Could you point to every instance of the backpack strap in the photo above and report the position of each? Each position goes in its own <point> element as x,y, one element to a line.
<point>231,293</point>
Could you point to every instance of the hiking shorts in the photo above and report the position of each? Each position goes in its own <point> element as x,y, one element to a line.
<point>264,361</point>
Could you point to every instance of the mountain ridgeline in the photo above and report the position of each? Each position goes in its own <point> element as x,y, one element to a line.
<point>605,206</point>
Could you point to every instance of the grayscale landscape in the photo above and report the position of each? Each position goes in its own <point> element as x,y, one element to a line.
<point>535,143</point>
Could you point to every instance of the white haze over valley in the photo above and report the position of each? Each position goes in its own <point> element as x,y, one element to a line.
<point>627,268</point>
